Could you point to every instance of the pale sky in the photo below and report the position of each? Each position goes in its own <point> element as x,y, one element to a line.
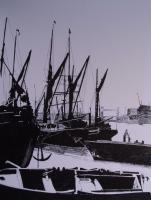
<point>115,33</point>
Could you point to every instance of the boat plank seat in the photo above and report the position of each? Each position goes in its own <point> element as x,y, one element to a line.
<point>48,185</point>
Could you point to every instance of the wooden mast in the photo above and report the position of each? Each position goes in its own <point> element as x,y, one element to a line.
<point>49,80</point>
<point>66,90</point>
<point>96,97</point>
<point>97,90</point>
<point>69,46</point>
<point>3,48</point>
<point>14,57</point>
<point>64,96</point>
<point>84,72</point>
<point>12,91</point>
<point>72,87</point>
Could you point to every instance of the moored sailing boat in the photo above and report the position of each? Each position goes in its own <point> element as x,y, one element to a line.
<point>100,129</point>
<point>17,124</point>
<point>73,127</point>
<point>124,151</point>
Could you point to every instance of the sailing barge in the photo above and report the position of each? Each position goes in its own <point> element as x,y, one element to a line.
<point>75,128</point>
<point>18,135</point>
<point>18,127</point>
<point>63,184</point>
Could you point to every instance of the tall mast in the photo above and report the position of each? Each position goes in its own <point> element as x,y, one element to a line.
<point>12,95</point>
<point>56,75</point>
<point>139,99</point>
<point>69,78</point>
<point>72,87</point>
<point>14,57</point>
<point>23,72</point>
<point>51,45</point>
<point>69,47</point>
<point>84,72</point>
<point>98,88</point>
<point>96,97</point>
<point>49,79</point>
<point>64,98</point>
<point>3,47</point>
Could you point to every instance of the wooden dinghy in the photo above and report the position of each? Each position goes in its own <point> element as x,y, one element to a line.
<point>69,184</point>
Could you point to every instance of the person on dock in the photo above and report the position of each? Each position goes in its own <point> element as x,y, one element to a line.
<point>126,136</point>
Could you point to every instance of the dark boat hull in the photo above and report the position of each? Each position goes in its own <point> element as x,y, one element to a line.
<point>66,137</point>
<point>24,194</point>
<point>75,137</point>
<point>135,153</point>
<point>17,138</point>
<point>16,144</point>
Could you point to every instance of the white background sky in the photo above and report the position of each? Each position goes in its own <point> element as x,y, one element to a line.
<point>115,33</point>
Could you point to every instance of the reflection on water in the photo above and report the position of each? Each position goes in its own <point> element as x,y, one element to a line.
<point>137,132</point>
